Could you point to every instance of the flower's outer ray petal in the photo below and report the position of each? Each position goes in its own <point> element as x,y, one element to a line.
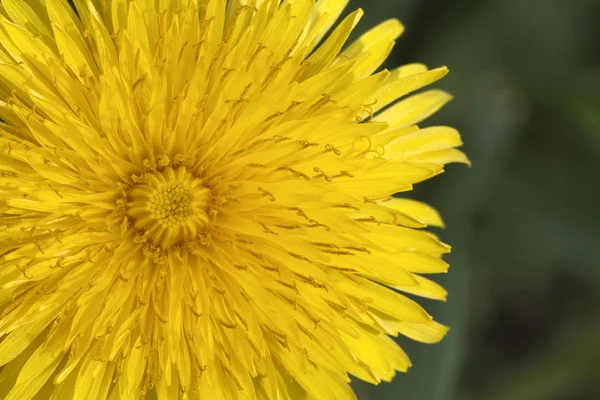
<point>325,13</point>
<point>372,58</point>
<point>69,39</point>
<point>416,209</point>
<point>22,336</point>
<point>424,288</point>
<point>397,87</point>
<point>83,10</point>
<point>387,31</point>
<point>118,12</point>
<point>22,14</point>
<point>373,47</point>
<point>8,376</point>
<point>327,52</point>
<point>431,332</point>
<point>444,157</point>
<point>435,144</point>
<point>414,109</point>
<point>41,364</point>
<point>106,50</point>
<point>65,389</point>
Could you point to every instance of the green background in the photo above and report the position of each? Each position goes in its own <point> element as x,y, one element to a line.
<point>524,221</point>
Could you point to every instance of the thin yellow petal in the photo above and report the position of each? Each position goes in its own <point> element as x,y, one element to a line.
<point>325,14</point>
<point>443,157</point>
<point>414,109</point>
<point>425,288</point>
<point>327,52</point>
<point>430,332</point>
<point>22,13</point>
<point>416,209</point>
<point>398,87</point>
<point>34,374</point>
<point>387,31</point>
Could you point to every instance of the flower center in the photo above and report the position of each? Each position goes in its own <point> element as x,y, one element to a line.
<point>169,206</point>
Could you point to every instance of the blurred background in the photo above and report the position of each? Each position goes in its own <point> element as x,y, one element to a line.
<point>524,221</point>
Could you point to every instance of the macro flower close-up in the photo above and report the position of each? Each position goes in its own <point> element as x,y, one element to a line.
<point>197,200</point>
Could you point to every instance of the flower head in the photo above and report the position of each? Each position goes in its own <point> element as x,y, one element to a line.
<point>196,200</point>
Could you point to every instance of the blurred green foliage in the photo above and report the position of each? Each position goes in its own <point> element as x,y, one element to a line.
<point>524,222</point>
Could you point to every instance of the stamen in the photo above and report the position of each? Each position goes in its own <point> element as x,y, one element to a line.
<point>229,372</point>
<point>329,147</point>
<point>259,48</point>
<point>265,193</point>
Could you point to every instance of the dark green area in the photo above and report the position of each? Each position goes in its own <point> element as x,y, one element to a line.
<point>524,221</point>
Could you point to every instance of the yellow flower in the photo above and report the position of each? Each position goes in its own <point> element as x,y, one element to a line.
<point>196,200</point>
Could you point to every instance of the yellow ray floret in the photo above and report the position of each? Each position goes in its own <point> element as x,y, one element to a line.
<point>197,200</point>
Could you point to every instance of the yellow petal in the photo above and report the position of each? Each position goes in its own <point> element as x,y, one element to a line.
<point>414,109</point>
<point>25,334</point>
<point>385,300</point>
<point>429,332</point>
<point>83,11</point>
<point>34,374</point>
<point>372,59</point>
<point>398,87</point>
<point>8,376</point>
<point>420,263</point>
<point>416,209</point>
<point>379,353</point>
<point>71,44</point>
<point>22,13</point>
<point>443,157</point>
<point>425,288</point>
<point>65,389</point>
<point>92,379</point>
<point>387,31</point>
<point>407,70</point>
<point>422,141</point>
<point>107,53</point>
<point>325,14</point>
<point>326,53</point>
<point>118,9</point>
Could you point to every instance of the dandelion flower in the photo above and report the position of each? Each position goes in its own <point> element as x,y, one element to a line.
<point>196,200</point>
